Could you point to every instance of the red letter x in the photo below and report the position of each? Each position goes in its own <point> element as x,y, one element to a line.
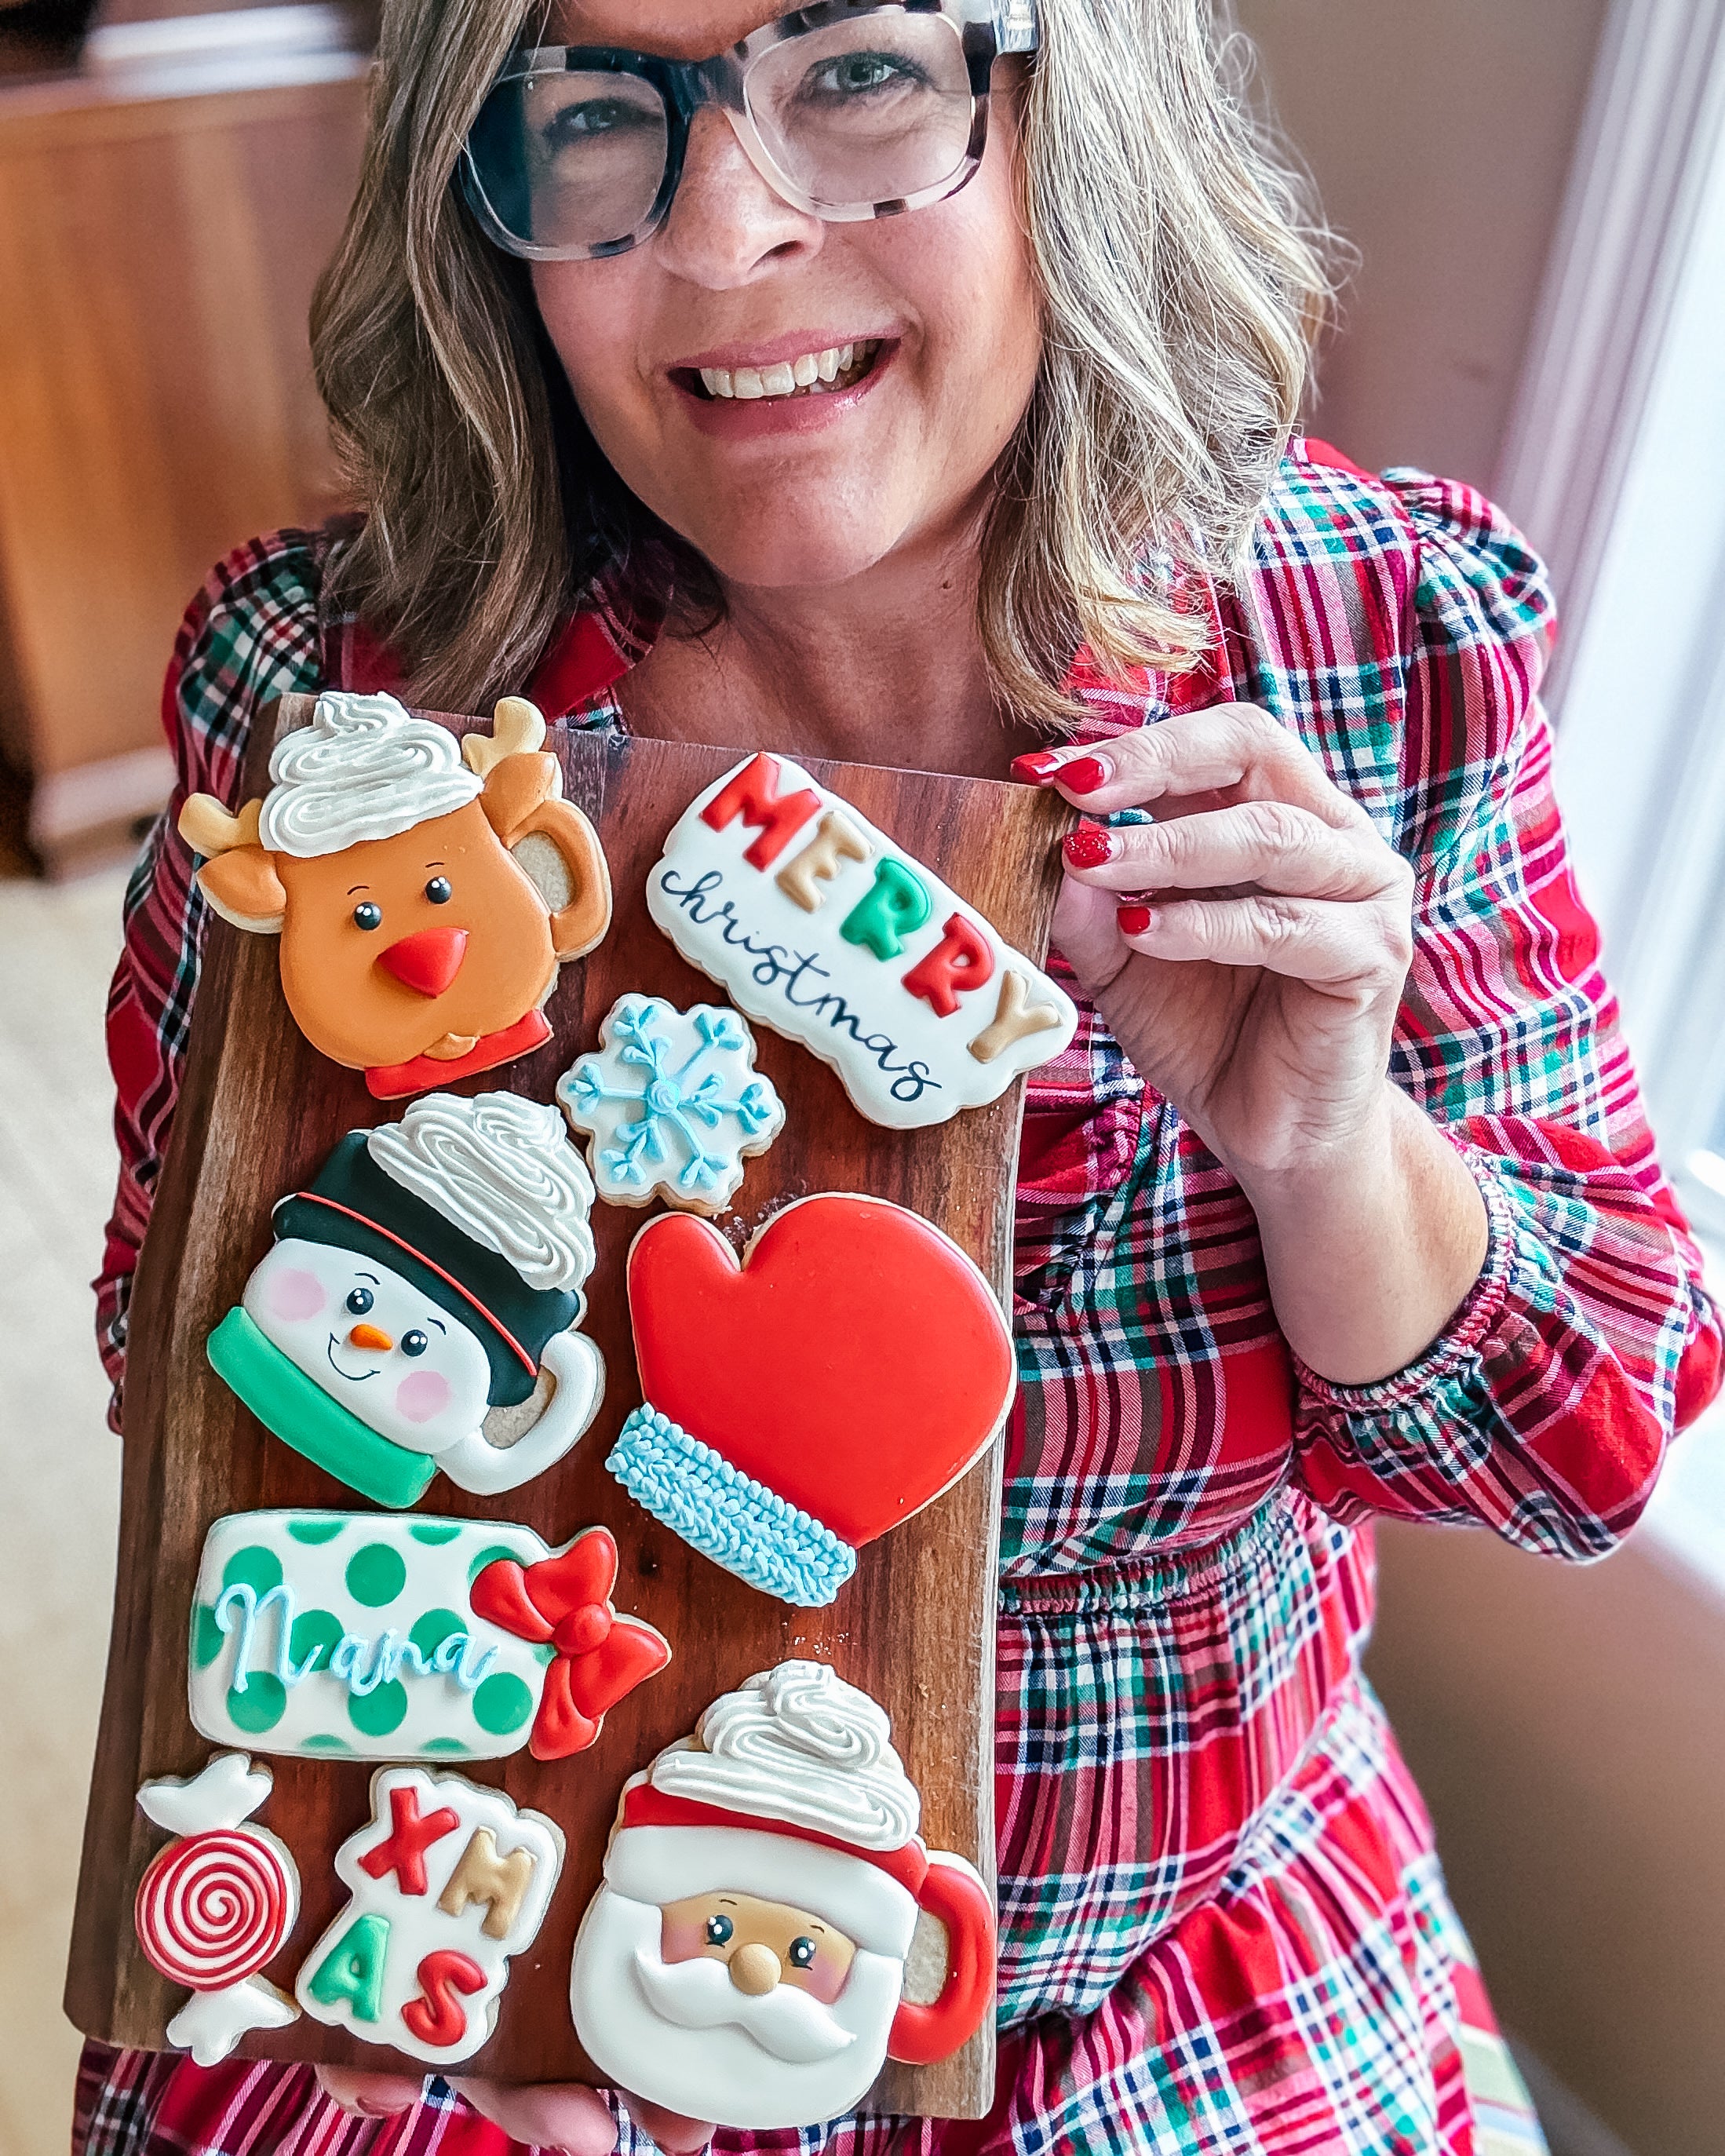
<point>404,1852</point>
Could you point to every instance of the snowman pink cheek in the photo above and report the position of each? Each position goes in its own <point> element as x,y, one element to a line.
<point>422,1396</point>
<point>294,1294</point>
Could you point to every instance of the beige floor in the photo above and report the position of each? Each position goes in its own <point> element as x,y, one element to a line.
<point>61,1464</point>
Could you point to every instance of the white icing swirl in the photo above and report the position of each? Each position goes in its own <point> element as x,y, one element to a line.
<point>364,768</point>
<point>798,1744</point>
<point>502,1170</point>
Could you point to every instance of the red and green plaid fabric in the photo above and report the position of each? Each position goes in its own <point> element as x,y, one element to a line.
<point>1224,1928</point>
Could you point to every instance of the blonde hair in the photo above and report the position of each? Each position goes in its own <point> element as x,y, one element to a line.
<point>1182,290</point>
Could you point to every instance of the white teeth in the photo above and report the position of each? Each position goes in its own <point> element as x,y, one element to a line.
<point>786,376</point>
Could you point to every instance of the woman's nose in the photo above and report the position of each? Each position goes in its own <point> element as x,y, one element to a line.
<point>368,1336</point>
<point>726,224</point>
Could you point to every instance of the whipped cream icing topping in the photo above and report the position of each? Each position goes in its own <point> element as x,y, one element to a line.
<point>364,768</point>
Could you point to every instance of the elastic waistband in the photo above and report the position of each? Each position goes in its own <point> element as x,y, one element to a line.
<point>1141,1584</point>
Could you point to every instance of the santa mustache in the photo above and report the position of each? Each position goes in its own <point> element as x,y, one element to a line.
<point>700,1994</point>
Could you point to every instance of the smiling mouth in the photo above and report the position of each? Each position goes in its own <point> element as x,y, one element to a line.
<point>811,374</point>
<point>353,1378</point>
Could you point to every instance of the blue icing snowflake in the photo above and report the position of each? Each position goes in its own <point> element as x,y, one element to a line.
<point>672,1104</point>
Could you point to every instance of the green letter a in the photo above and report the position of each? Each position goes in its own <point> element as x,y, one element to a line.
<point>353,1969</point>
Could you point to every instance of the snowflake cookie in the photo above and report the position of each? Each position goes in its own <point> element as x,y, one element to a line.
<point>671,1104</point>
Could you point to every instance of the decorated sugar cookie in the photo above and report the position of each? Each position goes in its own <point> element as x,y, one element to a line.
<point>341,1634</point>
<point>803,1400</point>
<point>744,1960</point>
<point>672,1105</point>
<point>216,1905</point>
<point>447,1882</point>
<point>418,1308</point>
<point>819,926</point>
<point>425,889</point>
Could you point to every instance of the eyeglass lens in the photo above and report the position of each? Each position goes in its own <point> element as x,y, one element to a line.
<point>865,110</point>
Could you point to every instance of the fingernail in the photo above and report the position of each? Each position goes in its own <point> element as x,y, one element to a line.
<point>1085,774</point>
<point>1036,767</point>
<point>1089,846</point>
<point>1134,920</point>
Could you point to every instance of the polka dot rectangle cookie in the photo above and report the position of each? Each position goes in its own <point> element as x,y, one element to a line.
<point>352,1636</point>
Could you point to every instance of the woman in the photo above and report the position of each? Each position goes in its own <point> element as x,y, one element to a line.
<point>1343,1201</point>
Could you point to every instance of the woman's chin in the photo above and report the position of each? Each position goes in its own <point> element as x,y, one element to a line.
<point>784,551</point>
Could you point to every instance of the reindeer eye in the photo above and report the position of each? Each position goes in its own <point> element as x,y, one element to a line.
<point>359,1300</point>
<point>718,1930</point>
<point>414,1342</point>
<point>801,1953</point>
<point>367,915</point>
<point>438,891</point>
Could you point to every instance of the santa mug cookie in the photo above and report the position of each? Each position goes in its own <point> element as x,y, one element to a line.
<point>418,1309</point>
<point>343,1635</point>
<point>425,889</point>
<point>803,1399</point>
<point>821,927</point>
<point>744,1960</point>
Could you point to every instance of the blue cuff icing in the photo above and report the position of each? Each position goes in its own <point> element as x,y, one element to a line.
<point>726,1514</point>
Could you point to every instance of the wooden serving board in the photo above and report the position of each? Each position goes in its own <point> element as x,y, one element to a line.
<point>915,1626</point>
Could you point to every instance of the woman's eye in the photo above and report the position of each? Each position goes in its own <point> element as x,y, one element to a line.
<point>860,75</point>
<point>801,1953</point>
<point>367,915</point>
<point>359,1300</point>
<point>438,891</point>
<point>597,115</point>
<point>414,1342</point>
<point>718,1930</point>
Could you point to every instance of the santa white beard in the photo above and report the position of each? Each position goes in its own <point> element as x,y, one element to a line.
<point>682,2035</point>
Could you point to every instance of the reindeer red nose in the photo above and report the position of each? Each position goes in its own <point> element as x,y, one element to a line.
<point>427,961</point>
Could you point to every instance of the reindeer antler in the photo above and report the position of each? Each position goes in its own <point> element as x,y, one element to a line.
<point>516,727</point>
<point>208,830</point>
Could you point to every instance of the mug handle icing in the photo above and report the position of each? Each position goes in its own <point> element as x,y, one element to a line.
<point>521,802</point>
<point>954,1891</point>
<point>485,1469</point>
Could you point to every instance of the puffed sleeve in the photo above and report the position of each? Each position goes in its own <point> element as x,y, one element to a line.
<point>251,634</point>
<point>1545,1409</point>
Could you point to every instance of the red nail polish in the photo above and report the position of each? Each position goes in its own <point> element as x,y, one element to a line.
<point>1088,846</point>
<point>1084,774</point>
<point>1133,919</point>
<point>1036,767</point>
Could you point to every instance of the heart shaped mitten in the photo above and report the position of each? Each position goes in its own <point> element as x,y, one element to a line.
<point>803,1402</point>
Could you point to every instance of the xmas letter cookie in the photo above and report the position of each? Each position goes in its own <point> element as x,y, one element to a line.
<point>672,1105</point>
<point>216,1905</point>
<point>425,889</point>
<point>822,928</point>
<point>418,1309</point>
<point>800,1402</point>
<point>341,1635</point>
<point>448,1881</point>
<point>744,1960</point>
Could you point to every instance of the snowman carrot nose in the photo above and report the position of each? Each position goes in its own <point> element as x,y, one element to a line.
<point>368,1336</point>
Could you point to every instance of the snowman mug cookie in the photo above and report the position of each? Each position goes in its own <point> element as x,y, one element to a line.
<point>418,1308</point>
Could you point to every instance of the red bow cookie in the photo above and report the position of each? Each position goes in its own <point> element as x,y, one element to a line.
<point>565,1601</point>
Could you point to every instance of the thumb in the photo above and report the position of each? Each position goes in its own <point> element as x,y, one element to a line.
<point>553,2116</point>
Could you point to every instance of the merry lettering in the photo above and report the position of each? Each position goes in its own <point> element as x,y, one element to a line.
<point>797,976</point>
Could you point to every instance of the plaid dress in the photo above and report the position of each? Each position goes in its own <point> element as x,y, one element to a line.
<point>1223,1924</point>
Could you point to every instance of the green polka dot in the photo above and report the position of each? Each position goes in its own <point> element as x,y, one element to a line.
<point>314,1628</point>
<point>207,1636</point>
<point>376,1575</point>
<point>325,1741</point>
<point>433,1629</point>
<point>260,1706</point>
<point>375,1713</point>
<point>324,1529</point>
<point>445,1744</point>
<point>434,1531</point>
<point>257,1567</point>
<point>544,1653</point>
<point>491,1557</point>
<point>502,1703</point>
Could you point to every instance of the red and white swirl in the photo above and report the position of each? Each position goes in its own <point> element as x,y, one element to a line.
<point>213,1908</point>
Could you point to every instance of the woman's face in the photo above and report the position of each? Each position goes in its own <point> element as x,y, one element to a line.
<point>815,488</point>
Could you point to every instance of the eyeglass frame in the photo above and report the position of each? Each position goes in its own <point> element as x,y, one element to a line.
<point>989,30</point>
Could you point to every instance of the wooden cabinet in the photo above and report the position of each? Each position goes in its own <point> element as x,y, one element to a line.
<point>165,208</point>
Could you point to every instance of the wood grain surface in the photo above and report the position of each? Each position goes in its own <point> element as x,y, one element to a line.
<point>915,1626</point>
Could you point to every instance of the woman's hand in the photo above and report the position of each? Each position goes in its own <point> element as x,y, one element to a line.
<point>1248,949</point>
<point>562,2116</point>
